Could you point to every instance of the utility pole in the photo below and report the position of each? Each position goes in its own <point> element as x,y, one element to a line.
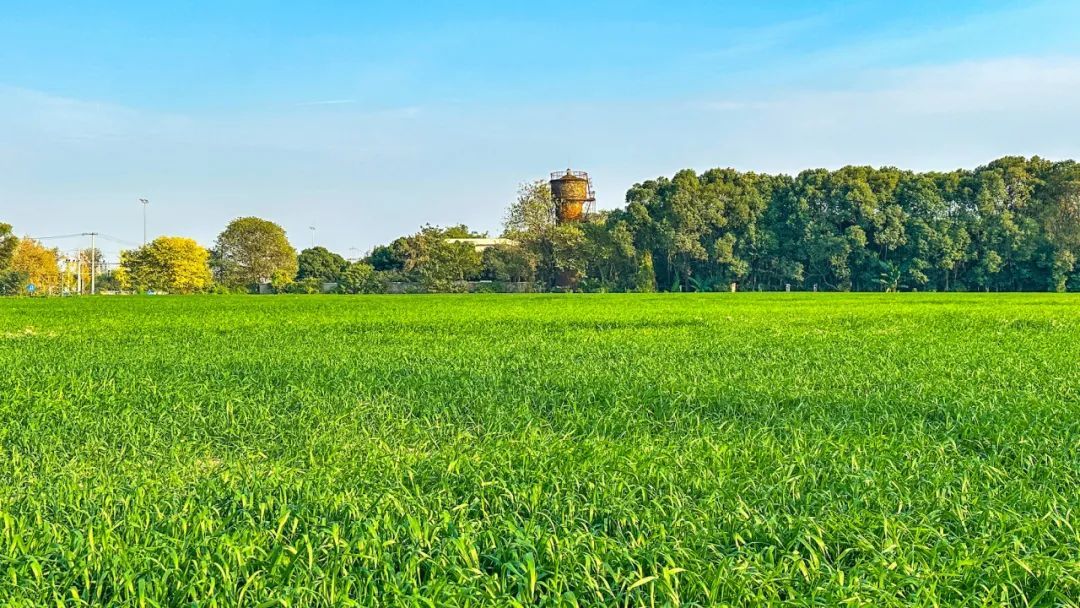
<point>65,290</point>
<point>93,264</point>
<point>145,203</point>
<point>93,261</point>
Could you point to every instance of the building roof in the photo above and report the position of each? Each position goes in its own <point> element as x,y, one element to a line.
<point>482,244</point>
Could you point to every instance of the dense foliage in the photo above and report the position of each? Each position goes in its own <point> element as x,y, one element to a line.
<point>623,450</point>
<point>11,280</point>
<point>8,242</point>
<point>37,264</point>
<point>169,263</point>
<point>1013,225</point>
<point>251,251</point>
<point>321,264</point>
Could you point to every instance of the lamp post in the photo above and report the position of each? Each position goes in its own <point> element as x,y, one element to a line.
<point>145,204</point>
<point>312,228</point>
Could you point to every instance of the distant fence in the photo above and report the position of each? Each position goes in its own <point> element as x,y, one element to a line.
<point>465,287</point>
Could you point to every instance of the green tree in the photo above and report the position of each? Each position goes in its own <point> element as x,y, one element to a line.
<point>645,279</point>
<point>532,213</point>
<point>1063,266</point>
<point>321,264</point>
<point>251,251</point>
<point>390,257</point>
<point>8,242</point>
<point>508,263</point>
<point>437,262</point>
<point>11,281</point>
<point>361,277</point>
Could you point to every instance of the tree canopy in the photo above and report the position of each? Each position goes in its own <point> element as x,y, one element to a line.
<point>169,263</point>
<point>321,264</point>
<point>1011,225</point>
<point>11,281</point>
<point>37,265</point>
<point>251,251</point>
<point>8,242</point>
<point>435,261</point>
<point>532,212</point>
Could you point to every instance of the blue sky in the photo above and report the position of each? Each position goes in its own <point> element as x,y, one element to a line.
<point>369,119</point>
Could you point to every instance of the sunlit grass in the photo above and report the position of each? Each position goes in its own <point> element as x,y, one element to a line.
<point>552,450</point>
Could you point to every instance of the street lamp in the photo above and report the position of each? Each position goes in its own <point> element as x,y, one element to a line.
<point>312,228</point>
<point>145,203</point>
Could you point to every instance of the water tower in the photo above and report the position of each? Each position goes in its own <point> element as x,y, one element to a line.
<point>573,195</point>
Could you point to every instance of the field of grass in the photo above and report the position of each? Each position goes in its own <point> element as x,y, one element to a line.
<point>541,450</point>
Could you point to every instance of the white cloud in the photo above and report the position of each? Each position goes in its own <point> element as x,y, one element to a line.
<point>930,117</point>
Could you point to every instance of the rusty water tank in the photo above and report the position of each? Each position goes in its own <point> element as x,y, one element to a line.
<point>572,193</point>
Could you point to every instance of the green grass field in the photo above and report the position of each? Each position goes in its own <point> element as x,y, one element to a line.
<point>541,450</point>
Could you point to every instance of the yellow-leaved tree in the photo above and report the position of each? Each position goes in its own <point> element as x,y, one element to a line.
<point>38,264</point>
<point>169,263</point>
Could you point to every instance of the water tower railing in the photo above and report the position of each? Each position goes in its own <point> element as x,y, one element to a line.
<point>561,174</point>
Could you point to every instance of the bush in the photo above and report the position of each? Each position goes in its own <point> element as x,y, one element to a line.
<point>361,277</point>
<point>310,285</point>
<point>221,289</point>
<point>12,282</point>
<point>593,285</point>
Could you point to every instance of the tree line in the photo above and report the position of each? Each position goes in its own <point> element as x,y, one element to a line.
<point>1011,225</point>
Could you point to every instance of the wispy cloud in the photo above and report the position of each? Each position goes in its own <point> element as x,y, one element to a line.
<point>963,38</point>
<point>961,89</point>
<point>932,117</point>
<point>328,102</point>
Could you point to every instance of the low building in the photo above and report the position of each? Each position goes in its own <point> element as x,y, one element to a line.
<point>482,244</point>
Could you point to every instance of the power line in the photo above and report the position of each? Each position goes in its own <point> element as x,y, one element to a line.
<point>107,237</point>
<point>118,240</point>
<point>51,238</point>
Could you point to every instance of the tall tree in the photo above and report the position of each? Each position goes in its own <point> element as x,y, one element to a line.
<point>390,257</point>
<point>532,213</point>
<point>437,262</point>
<point>645,277</point>
<point>11,281</point>
<point>8,242</point>
<point>251,251</point>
